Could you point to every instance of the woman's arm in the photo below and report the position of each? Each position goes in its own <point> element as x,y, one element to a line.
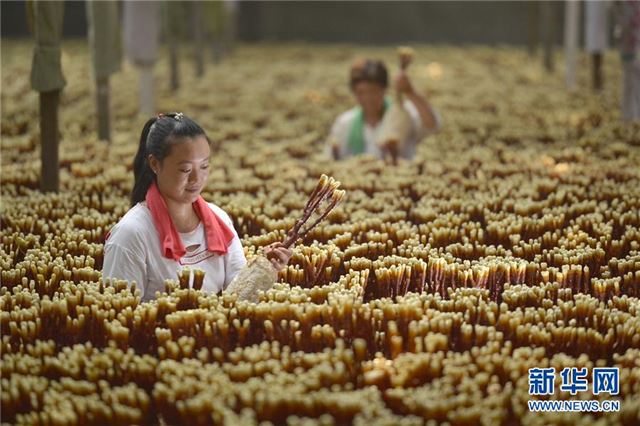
<point>234,260</point>
<point>427,115</point>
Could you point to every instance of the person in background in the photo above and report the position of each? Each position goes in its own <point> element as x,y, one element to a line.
<point>629,22</point>
<point>355,131</point>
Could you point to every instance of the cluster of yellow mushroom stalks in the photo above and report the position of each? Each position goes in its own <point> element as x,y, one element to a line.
<point>511,241</point>
<point>259,274</point>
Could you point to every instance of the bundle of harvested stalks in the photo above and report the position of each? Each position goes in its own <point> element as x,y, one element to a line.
<point>396,123</point>
<point>259,274</point>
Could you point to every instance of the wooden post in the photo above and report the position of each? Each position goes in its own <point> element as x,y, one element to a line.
<point>217,50</point>
<point>546,9</point>
<point>102,107</point>
<point>141,23</point>
<point>47,79</point>
<point>596,68</point>
<point>106,53</point>
<point>49,141</point>
<point>230,27</point>
<point>571,29</point>
<point>173,63</point>
<point>533,38</point>
<point>147,102</point>
<point>596,40</point>
<point>198,37</point>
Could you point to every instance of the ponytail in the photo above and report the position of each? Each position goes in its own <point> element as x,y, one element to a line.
<point>158,134</point>
<point>143,175</point>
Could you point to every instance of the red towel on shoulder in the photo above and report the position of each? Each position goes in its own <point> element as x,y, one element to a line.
<point>217,233</point>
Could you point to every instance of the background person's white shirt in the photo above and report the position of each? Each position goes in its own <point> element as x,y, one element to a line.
<point>341,130</point>
<point>132,252</point>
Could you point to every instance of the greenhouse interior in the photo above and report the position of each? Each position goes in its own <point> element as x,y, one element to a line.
<point>320,213</point>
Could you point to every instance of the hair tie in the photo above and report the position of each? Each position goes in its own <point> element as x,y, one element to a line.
<point>175,115</point>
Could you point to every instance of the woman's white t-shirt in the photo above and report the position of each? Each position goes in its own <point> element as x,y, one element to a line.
<point>133,253</point>
<point>341,130</point>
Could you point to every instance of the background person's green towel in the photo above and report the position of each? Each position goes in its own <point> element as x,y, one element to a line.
<point>356,133</point>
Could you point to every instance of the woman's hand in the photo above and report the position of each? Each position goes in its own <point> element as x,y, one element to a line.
<point>278,255</point>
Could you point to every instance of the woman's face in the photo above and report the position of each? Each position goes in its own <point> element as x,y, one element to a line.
<point>370,96</point>
<point>182,174</point>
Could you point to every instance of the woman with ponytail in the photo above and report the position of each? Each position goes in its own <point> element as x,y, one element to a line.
<point>170,226</point>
